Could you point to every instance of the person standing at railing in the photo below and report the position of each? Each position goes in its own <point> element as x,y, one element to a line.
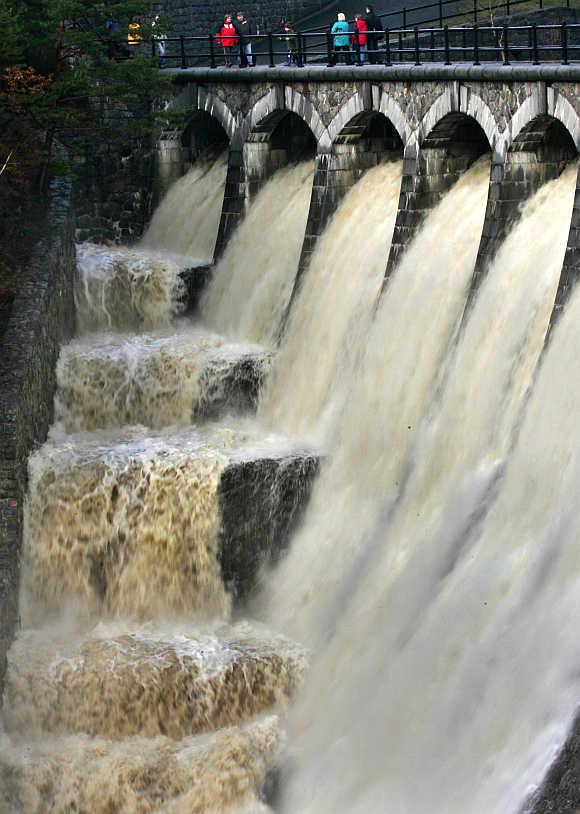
<point>289,38</point>
<point>228,39</point>
<point>134,35</point>
<point>340,40</point>
<point>373,25</point>
<point>160,38</point>
<point>245,30</point>
<point>359,39</point>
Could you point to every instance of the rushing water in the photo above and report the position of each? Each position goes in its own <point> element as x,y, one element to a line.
<point>186,222</point>
<point>431,650</point>
<point>335,305</point>
<point>435,575</point>
<point>253,281</point>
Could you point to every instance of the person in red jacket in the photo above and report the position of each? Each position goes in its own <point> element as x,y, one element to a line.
<point>227,36</point>
<point>359,39</point>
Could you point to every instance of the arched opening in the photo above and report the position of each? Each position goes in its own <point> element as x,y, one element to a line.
<point>371,132</point>
<point>540,151</point>
<point>281,138</point>
<point>204,137</point>
<point>457,140</point>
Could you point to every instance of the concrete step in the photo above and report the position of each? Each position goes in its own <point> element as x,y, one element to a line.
<point>118,681</point>
<point>156,379</point>
<point>150,525</point>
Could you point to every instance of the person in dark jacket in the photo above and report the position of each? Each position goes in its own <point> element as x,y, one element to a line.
<point>245,31</point>
<point>289,38</point>
<point>373,25</point>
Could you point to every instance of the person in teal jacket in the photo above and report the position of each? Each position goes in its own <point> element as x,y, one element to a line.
<point>341,40</point>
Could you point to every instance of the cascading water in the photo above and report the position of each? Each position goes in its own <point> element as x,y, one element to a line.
<point>123,599</point>
<point>435,572</point>
<point>335,305</point>
<point>431,648</point>
<point>253,281</point>
<point>187,220</point>
<point>384,404</point>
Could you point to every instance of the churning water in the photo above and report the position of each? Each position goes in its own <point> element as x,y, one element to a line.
<point>432,637</point>
<point>435,575</point>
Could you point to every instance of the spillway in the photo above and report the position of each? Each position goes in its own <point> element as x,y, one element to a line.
<point>341,544</point>
<point>430,639</point>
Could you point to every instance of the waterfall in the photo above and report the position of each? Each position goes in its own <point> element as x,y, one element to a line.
<point>335,304</point>
<point>187,219</point>
<point>253,281</point>
<point>386,400</point>
<point>462,593</point>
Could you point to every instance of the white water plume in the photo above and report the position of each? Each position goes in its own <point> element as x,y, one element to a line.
<point>122,288</point>
<point>156,379</point>
<point>218,773</point>
<point>187,219</point>
<point>455,649</point>
<point>335,305</point>
<point>388,395</point>
<point>252,282</point>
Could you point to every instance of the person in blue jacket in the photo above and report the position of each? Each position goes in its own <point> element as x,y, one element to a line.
<point>340,40</point>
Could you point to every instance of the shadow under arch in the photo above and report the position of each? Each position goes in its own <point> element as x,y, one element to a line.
<point>446,145</point>
<point>539,151</point>
<point>364,141</point>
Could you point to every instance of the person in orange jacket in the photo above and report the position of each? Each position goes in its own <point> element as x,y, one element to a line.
<point>359,39</point>
<point>227,36</point>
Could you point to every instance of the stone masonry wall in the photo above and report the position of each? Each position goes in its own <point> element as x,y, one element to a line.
<point>198,17</point>
<point>42,318</point>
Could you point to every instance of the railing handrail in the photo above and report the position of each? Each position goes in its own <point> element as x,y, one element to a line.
<point>441,5</point>
<point>546,42</point>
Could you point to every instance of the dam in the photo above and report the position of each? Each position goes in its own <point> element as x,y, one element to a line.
<point>303,533</point>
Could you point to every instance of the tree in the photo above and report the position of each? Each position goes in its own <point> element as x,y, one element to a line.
<point>67,74</point>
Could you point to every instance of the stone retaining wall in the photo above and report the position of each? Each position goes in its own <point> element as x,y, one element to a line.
<point>42,318</point>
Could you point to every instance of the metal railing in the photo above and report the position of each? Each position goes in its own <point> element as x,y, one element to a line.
<point>441,12</point>
<point>535,44</point>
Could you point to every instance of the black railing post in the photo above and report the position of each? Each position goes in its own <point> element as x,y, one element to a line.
<point>271,48</point>
<point>417,54</point>
<point>356,45</point>
<point>564,42</point>
<point>182,52</point>
<point>506,52</point>
<point>446,41</point>
<point>440,13</point>
<point>432,43</point>
<point>153,47</point>
<point>329,47</point>
<point>401,47</point>
<point>507,6</point>
<point>463,43</point>
<point>211,51</point>
<point>405,17</point>
<point>302,50</point>
<point>535,60</point>
<point>387,47</point>
<point>475,45</point>
<point>474,11</point>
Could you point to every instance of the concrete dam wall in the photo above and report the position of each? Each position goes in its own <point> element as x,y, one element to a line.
<point>303,533</point>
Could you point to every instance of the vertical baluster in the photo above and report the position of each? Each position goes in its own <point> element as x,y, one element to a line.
<point>506,52</point>
<point>211,51</point>
<point>475,45</point>
<point>417,54</point>
<point>271,48</point>
<point>535,44</point>
<point>564,42</point>
<point>387,47</point>
<point>446,39</point>
<point>182,52</point>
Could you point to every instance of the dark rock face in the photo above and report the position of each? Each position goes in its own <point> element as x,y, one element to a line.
<point>42,318</point>
<point>261,501</point>
<point>560,791</point>
<point>232,385</point>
